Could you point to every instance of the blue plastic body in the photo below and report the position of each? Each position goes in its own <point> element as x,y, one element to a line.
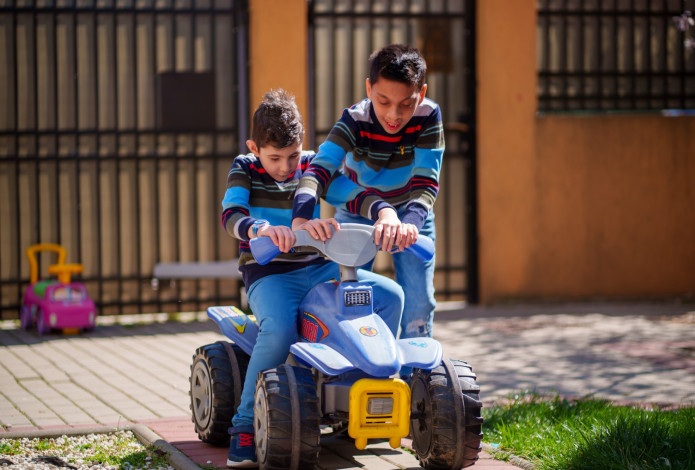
<point>337,327</point>
<point>235,325</point>
<point>336,338</point>
<point>263,250</point>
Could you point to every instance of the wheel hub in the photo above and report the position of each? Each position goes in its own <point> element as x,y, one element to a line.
<point>260,412</point>
<point>421,424</point>
<point>201,394</point>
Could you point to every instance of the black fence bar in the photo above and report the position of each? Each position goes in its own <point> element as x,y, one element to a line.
<point>617,55</point>
<point>342,34</point>
<point>89,161</point>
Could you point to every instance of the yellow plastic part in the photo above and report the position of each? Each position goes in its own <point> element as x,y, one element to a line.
<point>65,271</point>
<point>362,425</point>
<point>60,269</point>
<point>34,265</point>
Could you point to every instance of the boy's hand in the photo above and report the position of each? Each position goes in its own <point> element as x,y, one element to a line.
<point>298,222</point>
<point>408,236</point>
<point>320,229</point>
<point>390,232</point>
<point>282,236</point>
<point>387,229</point>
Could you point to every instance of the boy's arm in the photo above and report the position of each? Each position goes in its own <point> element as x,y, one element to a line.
<point>348,195</point>
<point>323,167</point>
<point>235,204</point>
<point>236,208</point>
<point>344,193</point>
<point>316,179</point>
<point>427,163</point>
<point>235,212</point>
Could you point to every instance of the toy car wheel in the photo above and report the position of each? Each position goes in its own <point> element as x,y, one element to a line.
<point>286,419</point>
<point>217,378</point>
<point>25,317</point>
<point>446,424</point>
<point>42,324</point>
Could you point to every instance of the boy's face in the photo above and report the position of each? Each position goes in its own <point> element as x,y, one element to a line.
<point>394,102</point>
<point>280,163</point>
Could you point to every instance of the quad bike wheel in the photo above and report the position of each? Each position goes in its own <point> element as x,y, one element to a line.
<point>446,424</point>
<point>217,378</point>
<point>286,419</point>
<point>25,317</point>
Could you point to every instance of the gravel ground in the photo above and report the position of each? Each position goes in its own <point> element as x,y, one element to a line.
<point>110,451</point>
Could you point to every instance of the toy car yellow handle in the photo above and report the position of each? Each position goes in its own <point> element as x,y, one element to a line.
<point>33,264</point>
<point>65,271</point>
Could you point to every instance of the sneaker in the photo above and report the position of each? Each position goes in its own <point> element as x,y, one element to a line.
<point>242,450</point>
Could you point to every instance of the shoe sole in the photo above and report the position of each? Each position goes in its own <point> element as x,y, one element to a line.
<point>242,464</point>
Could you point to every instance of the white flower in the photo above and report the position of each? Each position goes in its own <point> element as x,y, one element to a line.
<point>684,21</point>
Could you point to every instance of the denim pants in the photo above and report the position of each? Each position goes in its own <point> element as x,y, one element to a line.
<point>275,301</point>
<point>414,275</point>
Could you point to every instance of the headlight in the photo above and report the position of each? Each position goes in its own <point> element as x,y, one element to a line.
<point>380,406</point>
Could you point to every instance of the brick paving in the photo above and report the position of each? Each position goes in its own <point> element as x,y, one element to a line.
<point>336,453</point>
<point>139,373</point>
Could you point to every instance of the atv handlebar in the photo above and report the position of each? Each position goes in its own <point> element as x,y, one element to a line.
<point>352,245</point>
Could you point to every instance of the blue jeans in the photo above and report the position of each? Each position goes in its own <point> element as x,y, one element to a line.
<point>414,275</point>
<point>275,302</point>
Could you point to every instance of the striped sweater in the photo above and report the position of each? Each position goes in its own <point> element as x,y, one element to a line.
<point>402,168</point>
<point>252,194</point>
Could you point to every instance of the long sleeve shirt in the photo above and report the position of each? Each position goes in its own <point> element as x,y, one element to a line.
<point>402,168</point>
<point>252,195</point>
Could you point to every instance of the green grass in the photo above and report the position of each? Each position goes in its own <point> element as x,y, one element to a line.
<point>557,434</point>
<point>9,448</point>
<point>120,449</point>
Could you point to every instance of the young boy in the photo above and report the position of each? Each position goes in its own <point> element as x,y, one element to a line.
<point>258,203</point>
<point>392,143</point>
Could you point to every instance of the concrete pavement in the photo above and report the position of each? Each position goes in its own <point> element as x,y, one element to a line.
<point>138,374</point>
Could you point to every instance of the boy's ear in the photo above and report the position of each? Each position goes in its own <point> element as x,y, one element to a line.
<point>252,146</point>
<point>423,90</point>
<point>368,85</point>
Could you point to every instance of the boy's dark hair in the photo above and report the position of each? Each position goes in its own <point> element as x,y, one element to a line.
<point>277,121</point>
<point>400,63</point>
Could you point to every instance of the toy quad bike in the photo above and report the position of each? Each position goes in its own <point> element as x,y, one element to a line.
<point>339,375</point>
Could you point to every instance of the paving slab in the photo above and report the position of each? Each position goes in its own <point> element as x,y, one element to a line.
<point>118,374</point>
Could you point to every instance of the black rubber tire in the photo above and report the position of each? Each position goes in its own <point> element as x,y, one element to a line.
<point>286,419</point>
<point>217,378</point>
<point>446,424</point>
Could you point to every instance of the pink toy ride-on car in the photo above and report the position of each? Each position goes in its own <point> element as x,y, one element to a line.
<point>56,303</point>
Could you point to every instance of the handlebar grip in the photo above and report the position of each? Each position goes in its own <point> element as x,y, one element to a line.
<point>423,248</point>
<point>263,250</point>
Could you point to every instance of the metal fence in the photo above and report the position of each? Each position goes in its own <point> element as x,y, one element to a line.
<point>606,55</point>
<point>342,36</point>
<point>118,122</point>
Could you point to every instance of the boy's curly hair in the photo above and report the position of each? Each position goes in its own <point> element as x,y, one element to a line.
<point>400,63</point>
<point>277,121</point>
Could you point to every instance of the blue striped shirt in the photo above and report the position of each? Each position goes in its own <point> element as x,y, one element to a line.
<point>252,195</point>
<point>401,168</point>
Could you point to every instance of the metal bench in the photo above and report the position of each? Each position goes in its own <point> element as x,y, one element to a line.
<point>196,270</point>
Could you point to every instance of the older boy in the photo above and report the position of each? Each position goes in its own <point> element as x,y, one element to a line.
<point>258,203</point>
<point>392,143</point>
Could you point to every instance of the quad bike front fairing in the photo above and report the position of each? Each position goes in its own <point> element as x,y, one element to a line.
<point>339,332</point>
